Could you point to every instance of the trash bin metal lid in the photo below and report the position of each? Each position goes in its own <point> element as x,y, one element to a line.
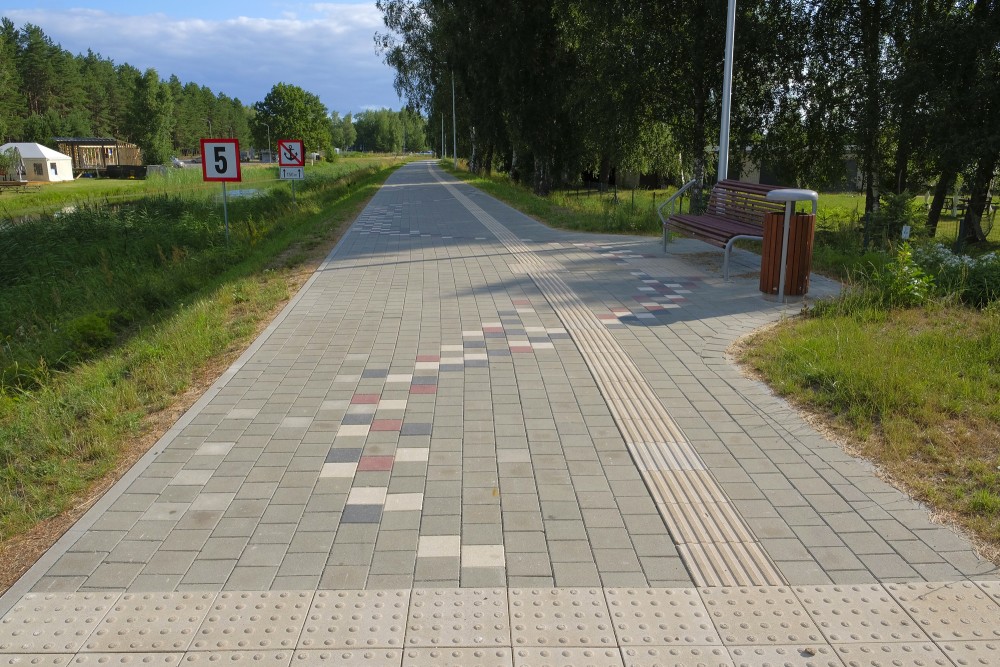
<point>793,194</point>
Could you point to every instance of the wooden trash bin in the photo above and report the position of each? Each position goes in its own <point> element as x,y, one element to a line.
<point>800,246</point>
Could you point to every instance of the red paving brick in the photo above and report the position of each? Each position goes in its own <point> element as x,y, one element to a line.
<point>370,463</point>
<point>387,424</point>
<point>368,399</point>
<point>423,389</point>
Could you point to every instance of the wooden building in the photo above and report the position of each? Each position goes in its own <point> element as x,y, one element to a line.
<point>97,154</point>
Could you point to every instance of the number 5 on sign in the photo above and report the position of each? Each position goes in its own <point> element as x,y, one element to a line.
<point>220,160</point>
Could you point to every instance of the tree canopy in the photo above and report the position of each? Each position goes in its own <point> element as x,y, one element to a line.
<point>545,89</point>
<point>290,112</point>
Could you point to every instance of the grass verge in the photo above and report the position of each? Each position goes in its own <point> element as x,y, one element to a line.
<point>917,391</point>
<point>64,442</point>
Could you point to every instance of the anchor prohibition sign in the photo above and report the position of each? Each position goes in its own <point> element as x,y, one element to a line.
<point>291,153</point>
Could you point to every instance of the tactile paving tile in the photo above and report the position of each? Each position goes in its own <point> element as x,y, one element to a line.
<point>356,620</point>
<point>237,658</point>
<point>765,615</point>
<point>978,653</point>
<point>991,588</point>
<point>858,613</point>
<point>814,655</point>
<point>560,617</point>
<point>151,622</point>
<point>36,660</point>
<point>53,622</point>
<point>374,657</point>
<point>457,657</point>
<point>567,657</point>
<point>917,654</point>
<point>456,617</point>
<point>660,617</point>
<point>950,612</point>
<point>676,656</point>
<point>127,660</point>
<point>253,621</point>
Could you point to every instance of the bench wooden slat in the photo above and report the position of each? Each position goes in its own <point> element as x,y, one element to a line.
<point>734,209</point>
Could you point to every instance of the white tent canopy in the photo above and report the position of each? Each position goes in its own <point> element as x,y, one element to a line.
<point>42,163</point>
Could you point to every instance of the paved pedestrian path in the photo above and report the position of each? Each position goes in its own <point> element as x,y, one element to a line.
<point>471,439</point>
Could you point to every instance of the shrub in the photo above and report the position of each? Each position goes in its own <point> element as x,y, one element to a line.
<point>90,333</point>
<point>974,280</point>
<point>901,283</point>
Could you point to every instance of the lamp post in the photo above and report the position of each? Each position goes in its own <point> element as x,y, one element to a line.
<point>454,124</point>
<point>727,91</point>
<point>209,121</point>
<point>269,156</point>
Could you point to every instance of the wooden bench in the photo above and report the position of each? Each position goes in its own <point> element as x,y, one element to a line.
<point>18,186</point>
<point>735,211</point>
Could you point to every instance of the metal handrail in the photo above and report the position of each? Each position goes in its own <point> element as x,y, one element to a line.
<point>670,200</point>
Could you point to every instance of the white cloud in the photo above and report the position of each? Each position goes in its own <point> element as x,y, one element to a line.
<point>331,53</point>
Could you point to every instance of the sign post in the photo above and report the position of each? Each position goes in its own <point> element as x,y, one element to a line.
<point>291,161</point>
<point>220,161</point>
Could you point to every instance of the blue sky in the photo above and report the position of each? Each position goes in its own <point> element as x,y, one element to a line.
<point>237,48</point>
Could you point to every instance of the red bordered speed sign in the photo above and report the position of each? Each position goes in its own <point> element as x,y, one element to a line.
<point>220,160</point>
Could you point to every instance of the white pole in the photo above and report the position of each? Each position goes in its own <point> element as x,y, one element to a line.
<point>789,207</point>
<point>727,91</point>
<point>441,151</point>
<point>454,125</point>
<point>225,210</point>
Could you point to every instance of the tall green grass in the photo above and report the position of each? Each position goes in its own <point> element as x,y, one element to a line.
<point>72,284</point>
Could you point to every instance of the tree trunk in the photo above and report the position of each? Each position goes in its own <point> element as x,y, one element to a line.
<point>944,184</point>
<point>474,165</point>
<point>971,230</point>
<point>698,149</point>
<point>543,176</point>
<point>488,161</point>
<point>902,170</point>
<point>871,18</point>
<point>604,173</point>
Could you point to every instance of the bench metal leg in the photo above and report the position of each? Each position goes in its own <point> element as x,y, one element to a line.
<point>729,247</point>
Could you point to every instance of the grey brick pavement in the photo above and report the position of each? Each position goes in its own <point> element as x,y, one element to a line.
<point>421,416</point>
